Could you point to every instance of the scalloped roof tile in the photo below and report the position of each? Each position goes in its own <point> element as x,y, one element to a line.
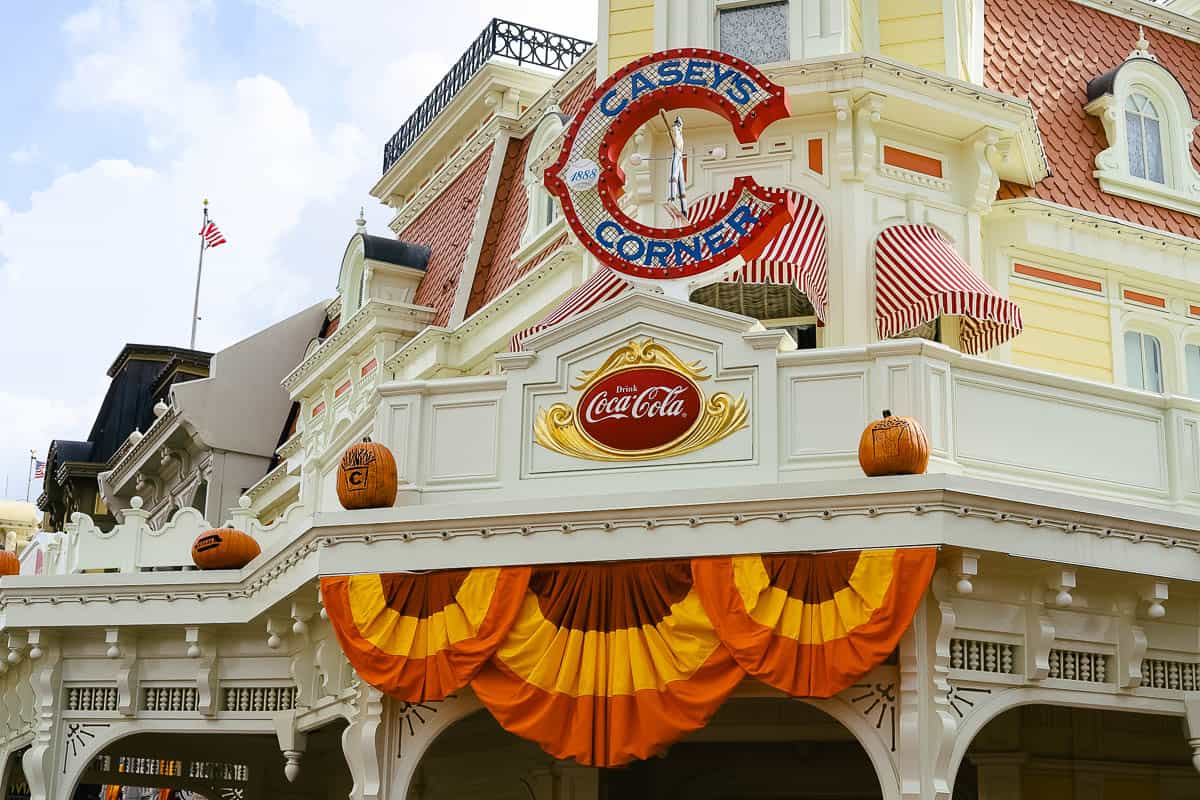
<point>1048,50</point>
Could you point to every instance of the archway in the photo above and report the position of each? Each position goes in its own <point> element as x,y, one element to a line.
<point>214,766</point>
<point>755,747</point>
<point>1071,753</point>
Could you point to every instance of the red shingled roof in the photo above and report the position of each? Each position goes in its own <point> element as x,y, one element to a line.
<point>1048,50</point>
<point>497,271</point>
<point>445,225</point>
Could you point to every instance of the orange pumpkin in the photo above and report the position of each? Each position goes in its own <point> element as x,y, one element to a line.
<point>224,548</point>
<point>9,563</point>
<point>893,446</point>
<point>366,477</point>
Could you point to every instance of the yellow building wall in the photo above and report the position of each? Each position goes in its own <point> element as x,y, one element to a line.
<point>1063,333</point>
<point>856,27</point>
<point>912,31</point>
<point>630,31</point>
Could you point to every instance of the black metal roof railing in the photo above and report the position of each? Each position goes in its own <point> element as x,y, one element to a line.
<point>521,43</point>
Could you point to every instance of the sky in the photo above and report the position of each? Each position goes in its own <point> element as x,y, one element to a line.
<point>121,116</point>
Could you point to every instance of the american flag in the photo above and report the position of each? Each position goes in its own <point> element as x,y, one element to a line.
<point>212,235</point>
<point>39,469</point>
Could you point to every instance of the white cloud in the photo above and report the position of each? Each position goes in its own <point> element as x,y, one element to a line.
<point>105,253</point>
<point>25,155</point>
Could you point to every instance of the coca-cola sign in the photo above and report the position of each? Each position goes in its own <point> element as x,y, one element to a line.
<point>639,408</point>
<point>642,403</point>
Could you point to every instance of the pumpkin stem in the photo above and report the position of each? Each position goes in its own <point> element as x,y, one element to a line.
<point>366,440</point>
<point>886,413</point>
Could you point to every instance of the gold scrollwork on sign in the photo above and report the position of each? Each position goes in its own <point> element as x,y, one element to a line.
<point>557,427</point>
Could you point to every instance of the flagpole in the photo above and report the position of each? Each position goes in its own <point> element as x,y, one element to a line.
<point>199,270</point>
<point>29,480</point>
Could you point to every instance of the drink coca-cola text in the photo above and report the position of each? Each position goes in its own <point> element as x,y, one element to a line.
<point>639,408</point>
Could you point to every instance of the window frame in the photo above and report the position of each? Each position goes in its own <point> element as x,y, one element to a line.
<point>1180,188</point>
<point>1142,335</point>
<point>721,6</point>
<point>543,217</point>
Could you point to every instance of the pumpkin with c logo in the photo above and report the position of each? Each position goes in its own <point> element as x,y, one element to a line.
<point>224,548</point>
<point>893,446</point>
<point>9,563</point>
<point>366,476</point>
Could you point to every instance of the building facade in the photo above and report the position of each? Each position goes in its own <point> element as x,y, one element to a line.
<point>992,227</point>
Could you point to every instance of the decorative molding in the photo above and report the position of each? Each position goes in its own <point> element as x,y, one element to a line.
<point>975,655</point>
<point>169,698</point>
<point>1146,14</point>
<point>1161,673</point>
<point>257,699</point>
<point>879,703</point>
<point>1079,219</point>
<point>1076,665</point>
<point>91,698</point>
<point>308,540</point>
<point>419,316</point>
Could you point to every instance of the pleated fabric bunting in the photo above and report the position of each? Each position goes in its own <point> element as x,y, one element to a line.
<point>422,637</point>
<point>811,625</point>
<point>608,663</point>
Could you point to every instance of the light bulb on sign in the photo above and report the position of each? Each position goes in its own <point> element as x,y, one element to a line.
<point>717,152</point>
<point>636,159</point>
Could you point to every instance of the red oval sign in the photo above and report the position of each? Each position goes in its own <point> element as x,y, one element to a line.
<point>641,408</point>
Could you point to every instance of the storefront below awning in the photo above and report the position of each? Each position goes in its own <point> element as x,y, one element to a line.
<point>796,257</point>
<point>919,277</point>
<point>608,663</point>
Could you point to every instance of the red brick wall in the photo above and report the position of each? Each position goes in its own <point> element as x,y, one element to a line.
<point>1048,50</point>
<point>446,226</point>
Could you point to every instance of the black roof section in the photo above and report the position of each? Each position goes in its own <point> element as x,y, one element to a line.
<point>1103,84</point>
<point>157,352</point>
<point>394,251</point>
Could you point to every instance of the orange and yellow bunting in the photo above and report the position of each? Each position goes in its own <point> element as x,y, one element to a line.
<point>608,663</point>
<point>422,637</point>
<point>811,625</point>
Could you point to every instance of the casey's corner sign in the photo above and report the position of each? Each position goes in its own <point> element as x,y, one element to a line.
<point>588,180</point>
<point>643,402</point>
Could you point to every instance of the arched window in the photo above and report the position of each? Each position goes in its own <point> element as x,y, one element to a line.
<point>1143,361</point>
<point>543,208</point>
<point>1144,134</point>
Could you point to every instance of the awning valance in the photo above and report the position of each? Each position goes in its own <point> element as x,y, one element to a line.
<point>919,277</point>
<point>796,257</point>
<point>608,663</point>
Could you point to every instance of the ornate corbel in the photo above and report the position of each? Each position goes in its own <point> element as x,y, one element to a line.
<point>985,155</point>
<point>292,743</point>
<point>362,743</point>
<point>1131,649</point>
<point>45,677</point>
<point>1191,704</point>
<point>202,647</point>
<point>867,111</point>
<point>842,150</point>
<point>121,646</point>
<point>303,665</point>
<point>1039,638</point>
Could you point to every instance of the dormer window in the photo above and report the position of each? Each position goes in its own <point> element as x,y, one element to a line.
<point>1144,138</point>
<point>543,208</point>
<point>1148,123</point>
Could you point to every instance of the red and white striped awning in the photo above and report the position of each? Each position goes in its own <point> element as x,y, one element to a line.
<point>796,257</point>
<point>604,284</point>
<point>919,277</point>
